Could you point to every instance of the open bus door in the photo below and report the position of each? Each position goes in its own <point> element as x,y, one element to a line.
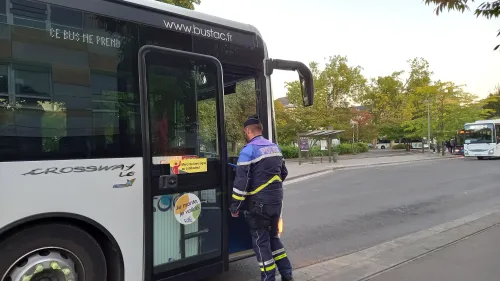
<point>240,239</point>
<point>459,142</point>
<point>185,170</point>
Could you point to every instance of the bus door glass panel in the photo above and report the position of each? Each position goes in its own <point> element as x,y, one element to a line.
<point>186,172</point>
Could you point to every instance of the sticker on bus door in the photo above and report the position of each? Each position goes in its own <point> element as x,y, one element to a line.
<point>188,166</point>
<point>187,208</point>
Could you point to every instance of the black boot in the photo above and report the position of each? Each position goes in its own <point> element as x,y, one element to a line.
<point>287,279</point>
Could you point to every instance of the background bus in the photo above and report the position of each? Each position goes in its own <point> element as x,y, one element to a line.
<point>113,142</point>
<point>383,144</point>
<point>482,139</point>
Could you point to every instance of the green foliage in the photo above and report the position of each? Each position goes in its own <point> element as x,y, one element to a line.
<point>396,105</point>
<point>336,85</point>
<point>345,148</point>
<point>362,147</point>
<point>399,146</point>
<point>188,4</point>
<point>492,104</point>
<point>291,152</point>
<point>450,108</point>
<point>489,9</point>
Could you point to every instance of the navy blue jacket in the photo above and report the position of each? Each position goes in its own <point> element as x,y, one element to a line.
<point>260,174</point>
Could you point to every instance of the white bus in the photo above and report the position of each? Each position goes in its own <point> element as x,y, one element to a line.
<point>113,152</point>
<point>482,139</point>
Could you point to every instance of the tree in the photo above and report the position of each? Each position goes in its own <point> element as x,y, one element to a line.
<point>492,103</point>
<point>450,108</point>
<point>384,97</point>
<point>394,101</point>
<point>367,130</point>
<point>490,9</point>
<point>336,86</point>
<point>286,124</point>
<point>188,4</point>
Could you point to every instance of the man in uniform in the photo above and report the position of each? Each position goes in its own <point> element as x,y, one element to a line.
<point>258,188</point>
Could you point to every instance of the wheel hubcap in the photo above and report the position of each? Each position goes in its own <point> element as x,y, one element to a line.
<point>43,265</point>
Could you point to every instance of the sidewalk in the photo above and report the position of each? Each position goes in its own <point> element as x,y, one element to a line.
<point>296,171</point>
<point>472,259</point>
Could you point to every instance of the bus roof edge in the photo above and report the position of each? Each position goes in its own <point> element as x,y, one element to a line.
<point>194,15</point>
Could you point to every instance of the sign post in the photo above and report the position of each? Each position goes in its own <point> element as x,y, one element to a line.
<point>303,147</point>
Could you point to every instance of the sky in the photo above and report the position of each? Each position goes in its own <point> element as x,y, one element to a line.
<point>378,35</point>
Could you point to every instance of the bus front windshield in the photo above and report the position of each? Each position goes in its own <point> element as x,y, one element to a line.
<point>479,133</point>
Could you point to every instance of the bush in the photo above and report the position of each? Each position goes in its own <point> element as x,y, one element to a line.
<point>344,148</point>
<point>399,146</point>
<point>316,151</point>
<point>362,147</point>
<point>289,151</point>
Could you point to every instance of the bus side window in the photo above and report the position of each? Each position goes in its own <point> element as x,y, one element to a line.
<point>62,98</point>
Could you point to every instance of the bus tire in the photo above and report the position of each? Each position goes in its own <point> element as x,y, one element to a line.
<point>480,157</point>
<point>65,246</point>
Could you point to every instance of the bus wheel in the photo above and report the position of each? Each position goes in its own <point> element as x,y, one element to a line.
<point>55,252</point>
<point>480,158</point>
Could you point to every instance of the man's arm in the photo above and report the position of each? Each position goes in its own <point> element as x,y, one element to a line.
<point>242,180</point>
<point>284,171</point>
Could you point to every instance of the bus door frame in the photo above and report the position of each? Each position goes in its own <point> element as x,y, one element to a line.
<point>222,263</point>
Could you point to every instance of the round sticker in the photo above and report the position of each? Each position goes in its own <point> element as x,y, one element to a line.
<point>187,208</point>
<point>164,203</point>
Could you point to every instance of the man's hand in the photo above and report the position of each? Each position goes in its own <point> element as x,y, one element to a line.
<point>235,215</point>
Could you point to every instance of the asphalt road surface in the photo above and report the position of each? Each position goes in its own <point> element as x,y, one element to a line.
<point>349,210</point>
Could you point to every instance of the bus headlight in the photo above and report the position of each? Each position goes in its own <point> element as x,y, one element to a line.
<point>491,151</point>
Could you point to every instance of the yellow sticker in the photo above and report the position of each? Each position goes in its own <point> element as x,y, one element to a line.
<point>189,165</point>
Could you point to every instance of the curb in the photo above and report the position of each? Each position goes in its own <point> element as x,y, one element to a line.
<point>331,169</point>
<point>376,260</point>
<point>295,160</point>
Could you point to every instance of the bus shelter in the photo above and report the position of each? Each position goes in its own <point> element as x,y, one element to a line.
<point>304,147</point>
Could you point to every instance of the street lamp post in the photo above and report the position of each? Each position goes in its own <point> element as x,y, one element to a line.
<point>429,124</point>
<point>354,123</point>
<point>357,132</point>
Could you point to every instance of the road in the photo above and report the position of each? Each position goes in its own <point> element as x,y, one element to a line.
<point>349,210</point>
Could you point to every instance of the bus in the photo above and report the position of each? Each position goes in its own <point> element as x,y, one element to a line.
<point>383,144</point>
<point>113,142</point>
<point>481,139</point>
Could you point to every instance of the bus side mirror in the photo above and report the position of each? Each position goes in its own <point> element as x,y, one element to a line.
<point>305,76</point>
<point>307,90</point>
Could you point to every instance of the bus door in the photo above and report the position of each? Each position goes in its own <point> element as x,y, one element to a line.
<point>239,240</point>
<point>184,148</point>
